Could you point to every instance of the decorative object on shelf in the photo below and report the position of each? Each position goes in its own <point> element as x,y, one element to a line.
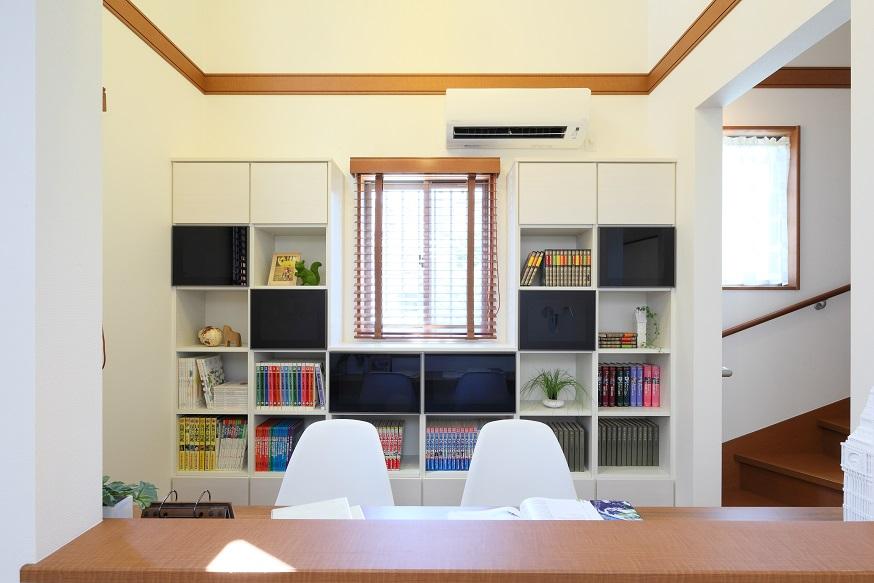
<point>119,498</point>
<point>210,336</point>
<point>231,337</point>
<point>282,269</point>
<point>308,276</point>
<point>640,318</point>
<point>551,383</point>
<point>857,461</point>
<point>651,327</point>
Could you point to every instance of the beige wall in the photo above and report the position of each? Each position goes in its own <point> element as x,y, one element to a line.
<point>154,114</point>
<point>378,36</point>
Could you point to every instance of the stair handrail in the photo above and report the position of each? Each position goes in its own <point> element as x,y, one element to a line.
<point>787,310</point>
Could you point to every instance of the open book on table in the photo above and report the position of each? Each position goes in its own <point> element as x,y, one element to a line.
<point>334,509</point>
<point>553,509</point>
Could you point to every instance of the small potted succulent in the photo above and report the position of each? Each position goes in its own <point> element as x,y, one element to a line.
<point>551,384</point>
<point>119,498</point>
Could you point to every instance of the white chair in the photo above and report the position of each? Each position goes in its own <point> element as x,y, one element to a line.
<point>515,459</point>
<point>333,459</point>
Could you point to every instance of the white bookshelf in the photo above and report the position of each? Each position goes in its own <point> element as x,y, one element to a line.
<point>322,238</point>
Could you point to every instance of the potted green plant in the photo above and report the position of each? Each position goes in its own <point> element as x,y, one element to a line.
<point>551,384</point>
<point>119,498</point>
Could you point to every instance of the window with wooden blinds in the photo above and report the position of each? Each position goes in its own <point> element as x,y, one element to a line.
<point>425,255</point>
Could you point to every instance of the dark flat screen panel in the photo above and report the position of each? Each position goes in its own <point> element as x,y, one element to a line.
<point>470,383</point>
<point>289,319</point>
<point>375,383</point>
<point>636,256</point>
<point>557,320</point>
<point>209,255</point>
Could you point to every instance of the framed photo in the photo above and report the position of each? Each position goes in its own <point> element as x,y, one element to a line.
<point>282,269</point>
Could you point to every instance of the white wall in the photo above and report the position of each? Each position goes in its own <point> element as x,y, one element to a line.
<point>862,204</point>
<point>154,114</point>
<point>800,362</point>
<point>666,22</point>
<point>51,305</point>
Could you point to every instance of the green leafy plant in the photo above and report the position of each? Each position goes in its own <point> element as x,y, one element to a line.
<point>652,327</point>
<point>551,383</point>
<point>143,493</point>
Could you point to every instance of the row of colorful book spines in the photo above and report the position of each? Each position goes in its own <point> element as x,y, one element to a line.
<point>199,438</point>
<point>567,257</point>
<point>289,384</point>
<point>449,449</point>
<point>631,385</point>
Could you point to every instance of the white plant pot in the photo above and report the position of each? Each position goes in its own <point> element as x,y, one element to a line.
<point>124,508</point>
<point>553,403</point>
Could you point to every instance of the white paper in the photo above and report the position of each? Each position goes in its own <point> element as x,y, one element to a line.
<point>336,508</point>
<point>507,513</point>
<point>558,509</point>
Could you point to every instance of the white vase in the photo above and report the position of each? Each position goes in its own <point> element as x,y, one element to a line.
<point>553,403</point>
<point>124,508</point>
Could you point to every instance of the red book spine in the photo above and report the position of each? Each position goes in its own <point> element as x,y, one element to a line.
<point>647,385</point>
<point>656,386</point>
<point>274,385</point>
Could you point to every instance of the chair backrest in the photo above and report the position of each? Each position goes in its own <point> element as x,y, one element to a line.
<point>333,459</point>
<point>387,391</point>
<point>480,389</point>
<point>515,459</point>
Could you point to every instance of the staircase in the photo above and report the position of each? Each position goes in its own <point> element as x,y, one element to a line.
<point>796,462</point>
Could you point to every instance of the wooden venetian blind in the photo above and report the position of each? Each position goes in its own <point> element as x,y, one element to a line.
<point>425,248</point>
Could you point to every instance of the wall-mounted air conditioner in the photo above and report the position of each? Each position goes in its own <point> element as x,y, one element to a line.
<point>516,118</point>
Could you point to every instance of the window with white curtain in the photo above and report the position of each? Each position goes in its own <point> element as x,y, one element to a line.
<point>760,208</point>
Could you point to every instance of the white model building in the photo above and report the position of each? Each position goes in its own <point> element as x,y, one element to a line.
<point>857,461</point>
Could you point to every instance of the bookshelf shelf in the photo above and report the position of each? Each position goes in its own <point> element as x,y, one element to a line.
<point>211,412</point>
<point>571,409</point>
<point>213,474</point>
<point>445,475</point>
<point>633,472</point>
<point>552,288</point>
<point>289,411</point>
<point>634,351</point>
<point>202,348</point>
<point>634,412</point>
<point>289,287</point>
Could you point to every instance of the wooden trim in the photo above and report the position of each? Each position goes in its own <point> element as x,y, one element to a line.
<point>471,225</point>
<point>413,84</point>
<point>691,38</point>
<point>457,165</point>
<point>793,203</point>
<point>377,260</point>
<point>144,28</point>
<point>787,310</point>
<point>808,78</point>
<point>416,84</point>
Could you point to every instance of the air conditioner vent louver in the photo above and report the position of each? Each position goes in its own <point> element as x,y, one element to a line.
<point>509,132</point>
<point>517,118</point>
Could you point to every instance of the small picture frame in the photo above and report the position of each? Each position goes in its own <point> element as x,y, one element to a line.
<point>282,269</point>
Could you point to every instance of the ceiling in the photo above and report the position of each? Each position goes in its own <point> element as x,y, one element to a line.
<point>832,51</point>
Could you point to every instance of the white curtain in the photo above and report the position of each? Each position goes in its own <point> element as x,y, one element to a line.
<point>755,177</point>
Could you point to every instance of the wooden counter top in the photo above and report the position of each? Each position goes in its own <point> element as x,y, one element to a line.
<point>668,545</point>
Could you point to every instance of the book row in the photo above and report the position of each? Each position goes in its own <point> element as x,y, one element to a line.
<point>571,437</point>
<point>628,442</point>
<point>560,267</point>
<point>391,437</point>
<point>274,441</point>
<point>617,340</point>
<point>202,384</point>
<point>449,446</point>
<point>211,443</point>
<point>289,384</point>
<point>629,385</point>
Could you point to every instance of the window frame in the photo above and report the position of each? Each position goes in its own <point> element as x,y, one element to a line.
<point>474,171</point>
<point>793,200</point>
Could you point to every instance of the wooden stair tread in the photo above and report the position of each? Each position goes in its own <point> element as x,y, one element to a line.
<point>815,468</point>
<point>837,424</point>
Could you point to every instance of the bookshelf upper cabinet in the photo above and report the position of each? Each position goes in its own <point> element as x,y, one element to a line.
<point>636,194</point>
<point>210,192</point>
<point>557,193</point>
<point>290,192</point>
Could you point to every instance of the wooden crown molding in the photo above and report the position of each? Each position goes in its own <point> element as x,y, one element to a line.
<point>808,78</point>
<point>451,165</point>
<point>433,84</point>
